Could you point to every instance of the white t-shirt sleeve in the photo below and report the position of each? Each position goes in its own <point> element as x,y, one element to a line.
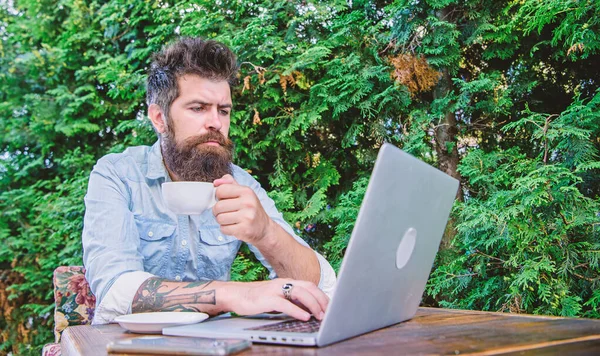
<point>117,300</point>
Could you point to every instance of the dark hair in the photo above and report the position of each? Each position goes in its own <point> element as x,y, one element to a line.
<point>206,58</point>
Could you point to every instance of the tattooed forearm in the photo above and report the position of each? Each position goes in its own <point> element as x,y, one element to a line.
<point>157,294</point>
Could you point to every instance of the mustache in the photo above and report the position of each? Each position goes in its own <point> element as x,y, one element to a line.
<point>211,136</point>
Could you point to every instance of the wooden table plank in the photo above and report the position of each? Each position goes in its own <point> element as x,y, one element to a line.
<point>431,331</point>
<point>581,348</point>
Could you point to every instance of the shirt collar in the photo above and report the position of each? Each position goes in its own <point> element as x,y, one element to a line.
<point>156,166</point>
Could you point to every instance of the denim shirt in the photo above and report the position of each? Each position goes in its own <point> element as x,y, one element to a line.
<point>128,228</point>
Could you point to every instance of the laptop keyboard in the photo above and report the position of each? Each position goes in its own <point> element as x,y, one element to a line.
<point>297,326</point>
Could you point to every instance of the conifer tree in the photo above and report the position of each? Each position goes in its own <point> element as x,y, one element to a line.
<point>503,95</point>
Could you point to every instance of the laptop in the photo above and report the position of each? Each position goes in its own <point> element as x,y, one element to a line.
<point>385,268</point>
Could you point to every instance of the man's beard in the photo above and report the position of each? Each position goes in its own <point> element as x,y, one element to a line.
<point>191,161</point>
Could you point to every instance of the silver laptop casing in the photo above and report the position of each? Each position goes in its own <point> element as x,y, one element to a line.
<point>371,292</point>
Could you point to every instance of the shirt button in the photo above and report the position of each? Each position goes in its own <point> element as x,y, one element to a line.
<point>150,233</point>
<point>177,278</point>
<point>220,238</point>
<point>184,242</point>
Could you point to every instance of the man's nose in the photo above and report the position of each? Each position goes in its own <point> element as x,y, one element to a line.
<point>214,121</point>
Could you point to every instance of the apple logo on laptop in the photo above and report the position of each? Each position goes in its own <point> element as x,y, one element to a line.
<point>406,247</point>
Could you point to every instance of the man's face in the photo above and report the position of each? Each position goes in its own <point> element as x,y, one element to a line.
<point>195,145</point>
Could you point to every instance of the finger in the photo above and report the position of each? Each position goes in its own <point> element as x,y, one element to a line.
<point>231,191</point>
<point>307,299</point>
<point>321,297</point>
<point>225,219</point>
<point>289,308</point>
<point>226,206</point>
<point>226,179</point>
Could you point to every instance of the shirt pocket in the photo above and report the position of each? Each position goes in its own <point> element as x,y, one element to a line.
<point>216,253</point>
<point>156,239</point>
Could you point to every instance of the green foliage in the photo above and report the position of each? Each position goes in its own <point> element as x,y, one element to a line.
<point>530,244</point>
<point>576,26</point>
<point>344,215</point>
<point>246,268</point>
<point>505,91</point>
<point>528,238</point>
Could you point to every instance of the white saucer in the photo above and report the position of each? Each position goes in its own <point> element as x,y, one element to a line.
<point>153,323</point>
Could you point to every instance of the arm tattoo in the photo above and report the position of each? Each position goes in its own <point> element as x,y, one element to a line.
<point>155,294</point>
<point>198,284</point>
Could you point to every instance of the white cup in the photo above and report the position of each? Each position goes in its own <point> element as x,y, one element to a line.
<point>189,198</point>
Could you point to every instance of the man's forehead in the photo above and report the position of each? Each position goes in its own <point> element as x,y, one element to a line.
<point>196,88</point>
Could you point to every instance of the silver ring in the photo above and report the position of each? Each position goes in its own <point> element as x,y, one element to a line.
<point>287,290</point>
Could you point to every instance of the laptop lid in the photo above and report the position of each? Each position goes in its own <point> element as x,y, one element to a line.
<point>392,248</point>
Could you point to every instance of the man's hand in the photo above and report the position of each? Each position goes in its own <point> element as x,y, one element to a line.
<point>239,212</point>
<point>267,296</point>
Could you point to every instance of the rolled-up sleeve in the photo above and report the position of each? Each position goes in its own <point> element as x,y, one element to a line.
<point>117,301</point>
<point>110,238</point>
<point>328,278</point>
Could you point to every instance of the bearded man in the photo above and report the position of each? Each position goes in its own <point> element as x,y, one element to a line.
<point>141,257</point>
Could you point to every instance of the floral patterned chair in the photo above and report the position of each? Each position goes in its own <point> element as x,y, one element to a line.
<point>74,301</point>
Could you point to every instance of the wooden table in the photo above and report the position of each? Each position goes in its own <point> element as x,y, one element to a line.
<point>431,331</point>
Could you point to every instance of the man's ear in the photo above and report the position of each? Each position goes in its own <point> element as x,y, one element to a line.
<point>157,118</point>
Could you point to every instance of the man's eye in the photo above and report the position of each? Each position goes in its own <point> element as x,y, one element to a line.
<point>197,108</point>
<point>224,112</point>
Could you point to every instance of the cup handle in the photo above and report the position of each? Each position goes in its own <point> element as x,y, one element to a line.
<point>213,199</point>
